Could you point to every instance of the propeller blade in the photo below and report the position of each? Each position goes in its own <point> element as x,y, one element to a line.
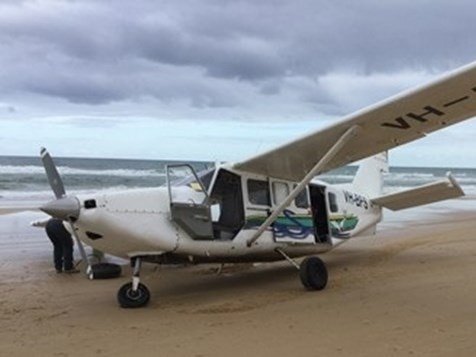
<point>54,178</point>
<point>89,270</point>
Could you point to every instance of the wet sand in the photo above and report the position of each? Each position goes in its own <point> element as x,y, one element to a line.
<point>410,291</point>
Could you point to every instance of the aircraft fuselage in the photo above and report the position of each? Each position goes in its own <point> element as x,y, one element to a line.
<point>141,222</point>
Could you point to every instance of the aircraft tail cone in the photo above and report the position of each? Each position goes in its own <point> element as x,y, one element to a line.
<point>64,208</point>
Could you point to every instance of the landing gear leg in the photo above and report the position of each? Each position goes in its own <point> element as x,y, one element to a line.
<point>134,294</point>
<point>313,273</point>
<point>287,257</point>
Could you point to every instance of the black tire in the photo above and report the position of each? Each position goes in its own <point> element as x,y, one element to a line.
<point>105,271</point>
<point>128,298</point>
<point>313,273</point>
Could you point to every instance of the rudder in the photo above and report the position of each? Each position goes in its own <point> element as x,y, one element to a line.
<point>369,176</point>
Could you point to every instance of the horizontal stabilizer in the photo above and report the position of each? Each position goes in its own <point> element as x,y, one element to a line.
<point>429,193</point>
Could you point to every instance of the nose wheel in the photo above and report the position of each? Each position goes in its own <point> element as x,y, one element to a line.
<point>130,298</point>
<point>134,294</point>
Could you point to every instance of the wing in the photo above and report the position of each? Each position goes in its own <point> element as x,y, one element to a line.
<point>390,123</point>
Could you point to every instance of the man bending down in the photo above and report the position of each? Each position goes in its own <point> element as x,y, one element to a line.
<point>62,246</point>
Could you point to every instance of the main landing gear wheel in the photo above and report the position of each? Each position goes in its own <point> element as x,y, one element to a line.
<point>128,298</point>
<point>313,273</point>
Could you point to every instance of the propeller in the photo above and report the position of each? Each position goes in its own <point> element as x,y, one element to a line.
<point>52,174</point>
<point>64,207</point>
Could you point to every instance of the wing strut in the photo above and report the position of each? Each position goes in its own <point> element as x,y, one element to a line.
<point>339,144</point>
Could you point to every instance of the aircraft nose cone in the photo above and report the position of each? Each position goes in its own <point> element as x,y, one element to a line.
<point>62,208</point>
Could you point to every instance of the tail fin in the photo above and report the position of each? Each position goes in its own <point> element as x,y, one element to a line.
<point>369,176</point>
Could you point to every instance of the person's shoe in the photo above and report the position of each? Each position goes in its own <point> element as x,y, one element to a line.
<point>71,271</point>
<point>59,271</point>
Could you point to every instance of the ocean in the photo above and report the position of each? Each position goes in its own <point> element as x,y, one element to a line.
<point>23,178</point>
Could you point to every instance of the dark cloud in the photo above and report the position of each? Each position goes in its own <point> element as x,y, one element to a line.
<point>216,53</point>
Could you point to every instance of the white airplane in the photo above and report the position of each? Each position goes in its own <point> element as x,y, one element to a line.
<point>270,207</point>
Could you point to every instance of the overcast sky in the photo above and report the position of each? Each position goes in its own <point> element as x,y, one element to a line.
<point>219,80</point>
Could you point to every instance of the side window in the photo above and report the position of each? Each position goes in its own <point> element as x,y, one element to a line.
<point>280,192</point>
<point>258,192</point>
<point>333,202</point>
<point>301,200</point>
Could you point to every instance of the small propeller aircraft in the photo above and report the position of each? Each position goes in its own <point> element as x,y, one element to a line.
<point>270,207</point>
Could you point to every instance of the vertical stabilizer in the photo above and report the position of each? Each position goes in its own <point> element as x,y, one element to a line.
<point>369,177</point>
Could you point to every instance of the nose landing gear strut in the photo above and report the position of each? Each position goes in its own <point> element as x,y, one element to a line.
<point>134,294</point>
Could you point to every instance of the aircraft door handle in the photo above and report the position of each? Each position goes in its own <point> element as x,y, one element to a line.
<point>201,217</point>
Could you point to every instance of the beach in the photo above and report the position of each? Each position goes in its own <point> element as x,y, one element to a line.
<point>405,291</point>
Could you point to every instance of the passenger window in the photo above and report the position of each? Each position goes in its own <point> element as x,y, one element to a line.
<point>280,192</point>
<point>258,192</point>
<point>333,202</point>
<point>301,200</point>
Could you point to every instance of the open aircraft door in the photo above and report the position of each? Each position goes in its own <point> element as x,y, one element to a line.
<point>190,206</point>
<point>306,220</point>
<point>215,216</point>
<point>319,213</point>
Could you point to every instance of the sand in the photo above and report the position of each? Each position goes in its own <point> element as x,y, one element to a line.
<point>410,291</point>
